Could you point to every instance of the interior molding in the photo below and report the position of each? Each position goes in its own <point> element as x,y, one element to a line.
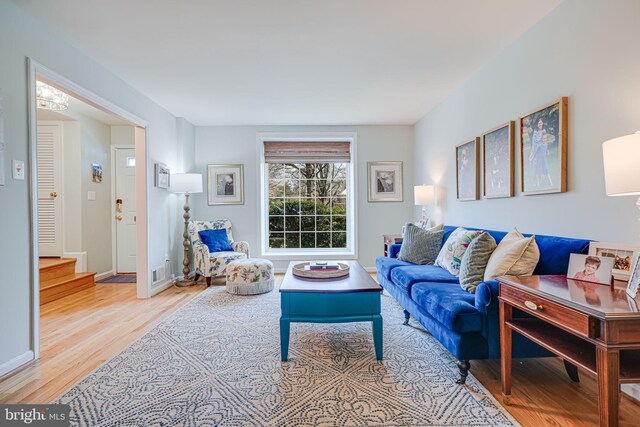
<point>16,362</point>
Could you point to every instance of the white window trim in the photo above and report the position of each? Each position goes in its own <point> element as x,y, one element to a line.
<point>351,251</point>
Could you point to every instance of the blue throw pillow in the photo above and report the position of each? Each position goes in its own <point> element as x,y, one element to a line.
<point>216,240</point>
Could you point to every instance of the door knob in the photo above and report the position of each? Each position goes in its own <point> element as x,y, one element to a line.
<point>119,217</point>
<point>53,194</point>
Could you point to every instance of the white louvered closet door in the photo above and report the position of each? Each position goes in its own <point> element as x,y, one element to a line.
<point>49,189</point>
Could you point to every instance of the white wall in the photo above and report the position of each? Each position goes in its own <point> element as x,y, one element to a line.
<point>586,50</point>
<point>22,37</point>
<point>228,144</point>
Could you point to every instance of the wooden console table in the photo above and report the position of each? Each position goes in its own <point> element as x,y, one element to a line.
<point>595,327</point>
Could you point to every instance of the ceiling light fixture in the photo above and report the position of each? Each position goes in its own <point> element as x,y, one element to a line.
<point>50,98</point>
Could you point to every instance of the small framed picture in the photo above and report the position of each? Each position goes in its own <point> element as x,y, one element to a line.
<point>497,153</point>
<point>162,175</point>
<point>468,170</point>
<point>96,172</point>
<point>590,268</point>
<point>543,149</point>
<point>624,257</point>
<point>225,184</point>
<point>634,280</point>
<point>385,181</point>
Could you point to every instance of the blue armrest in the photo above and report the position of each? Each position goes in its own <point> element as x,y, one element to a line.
<point>394,250</point>
<point>487,295</point>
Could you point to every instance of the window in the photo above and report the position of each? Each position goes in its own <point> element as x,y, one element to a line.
<point>308,203</point>
<point>131,162</point>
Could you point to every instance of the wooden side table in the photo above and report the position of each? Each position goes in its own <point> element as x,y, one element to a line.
<point>391,239</point>
<point>595,327</point>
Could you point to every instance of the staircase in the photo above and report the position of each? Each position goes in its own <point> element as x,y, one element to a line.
<point>58,278</point>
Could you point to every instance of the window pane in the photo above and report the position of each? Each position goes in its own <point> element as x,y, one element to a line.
<point>323,223</point>
<point>292,223</point>
<point>276,223</point>
<point>276,207</point>
<point>292,189</point>
<point>308,223</point>
<point>292,207</point>
<point>324,240</point>
<point>276,188</point>
<point>339,240</point>
<point>308,240</point>
<point>292,240</point>
<point>308,207</point>
<point>322,208</point>
<point>339,223</point>
<point>131,162</point>
<point>339,206</point>
<point>276,171</point>
<point>276,240</point>
<point>307,188</point>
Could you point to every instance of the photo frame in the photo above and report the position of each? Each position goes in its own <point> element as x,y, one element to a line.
<point>162,176</point>
<point>634,280</point>
<point>96,172</point>
<point>543,149</point>
<point>624,257</point>
<point>385,182</point>
<point>468,170</point>
<point>590,268</point>
<point>225,184</point>
<point>497,157</point>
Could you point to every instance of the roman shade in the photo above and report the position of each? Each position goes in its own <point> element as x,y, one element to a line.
<point>307,152</point>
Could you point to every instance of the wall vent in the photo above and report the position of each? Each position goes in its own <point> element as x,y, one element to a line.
<point>157,274</point>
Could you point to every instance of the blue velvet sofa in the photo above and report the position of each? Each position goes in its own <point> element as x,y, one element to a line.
<point>468,324</point>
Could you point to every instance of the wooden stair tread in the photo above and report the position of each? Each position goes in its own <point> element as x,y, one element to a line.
<point>68,279</point>
<point>48,263</point>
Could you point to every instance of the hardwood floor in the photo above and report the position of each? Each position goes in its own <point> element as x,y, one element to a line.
<point>82,331</point>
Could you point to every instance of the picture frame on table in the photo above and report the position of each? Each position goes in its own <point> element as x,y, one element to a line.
<point>385,182</point>
<point>624,257</point>
<point>590,268</point>
<point>497,155</point>
<point>225,184</point>
<point>634,280</point>
<point>162,176</point>
<point>543,149</point>
<point>468,170</point>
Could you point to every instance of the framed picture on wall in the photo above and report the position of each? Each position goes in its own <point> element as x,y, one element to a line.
<point>162,175</point>
<point>96,172</point>
<point>467,170</point>
<point>385,181</point>
<point>624,257</point>
<point>497,155</point>
<point>225,184</point>
<point>543,149</point>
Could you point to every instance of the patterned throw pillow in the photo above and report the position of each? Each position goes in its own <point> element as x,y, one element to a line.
<point>474,261</point>
<point>420,246</point>
<point>452,251</point>
<point>516,255</point>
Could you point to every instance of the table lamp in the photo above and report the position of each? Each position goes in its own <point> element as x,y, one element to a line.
<point>621,158</point>
<point>186,183</point>
<point>424,195</point>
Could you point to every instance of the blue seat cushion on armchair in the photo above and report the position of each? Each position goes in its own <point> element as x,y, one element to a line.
<point>405,276</point>
<point>449,304</point>
<point>385,265</point>
<point>216,240</point>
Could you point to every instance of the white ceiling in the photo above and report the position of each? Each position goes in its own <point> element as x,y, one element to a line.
<point>259,62</point>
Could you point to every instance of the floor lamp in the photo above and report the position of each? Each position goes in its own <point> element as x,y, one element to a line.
<point>186,183</point>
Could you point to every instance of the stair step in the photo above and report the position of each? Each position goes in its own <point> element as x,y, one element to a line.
<point>66,287</point>
<point>54,270</point>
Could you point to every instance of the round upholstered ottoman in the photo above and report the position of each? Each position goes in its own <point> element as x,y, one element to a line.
<point>250,276</point>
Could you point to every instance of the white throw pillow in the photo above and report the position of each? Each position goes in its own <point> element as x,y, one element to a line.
<point>515,255</point>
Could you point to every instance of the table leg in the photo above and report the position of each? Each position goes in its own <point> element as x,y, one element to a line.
<point>608,368</point>
<point>377,335</point>
<point>506,338</point>
<point>284,338</point>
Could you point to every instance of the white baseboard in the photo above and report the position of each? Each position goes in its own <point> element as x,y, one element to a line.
<point>16,362</point>
<point>101,276</point>
<point>161,286</point>
<point>370,269</point>
<point>81,260</point>
<point>632,390</point>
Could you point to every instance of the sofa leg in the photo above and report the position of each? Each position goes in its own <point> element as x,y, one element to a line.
<point>208,279</point>
<point>406,317</point>
<point>572,371</point>
<point>196,277</point>
<point>464,367</point>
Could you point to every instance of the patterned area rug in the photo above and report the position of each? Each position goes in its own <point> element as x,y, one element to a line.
<point>216,362</point>
<point>120,278</point>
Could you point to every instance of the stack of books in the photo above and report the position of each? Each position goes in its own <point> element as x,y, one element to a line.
<point>326,265</point>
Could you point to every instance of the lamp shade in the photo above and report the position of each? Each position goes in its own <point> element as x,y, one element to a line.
<point>423,194</point>
<point>621,158</point>
<point>186,183</point>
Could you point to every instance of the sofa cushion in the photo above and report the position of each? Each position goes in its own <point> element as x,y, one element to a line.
<point>515,255</point>
<point>449,304</point>
<point>474,261</point>
<point>384,265</point>
<point>453,249</point>
<point>406,276</point>
<point>420,246</point>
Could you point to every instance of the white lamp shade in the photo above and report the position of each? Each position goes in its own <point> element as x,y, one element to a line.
<point>186,183</point>
<point>423,194</point>
<point>621,158</point>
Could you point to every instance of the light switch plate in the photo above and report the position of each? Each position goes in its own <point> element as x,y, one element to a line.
<point>17,168</point>
<point>91,195</point>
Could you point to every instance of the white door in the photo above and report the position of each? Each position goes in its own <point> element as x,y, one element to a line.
<point>49,189</point>
<point>125,210</point>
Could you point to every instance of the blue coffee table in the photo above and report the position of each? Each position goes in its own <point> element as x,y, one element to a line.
<point>355,298</point>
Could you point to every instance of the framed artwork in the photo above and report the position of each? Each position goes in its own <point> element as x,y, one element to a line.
<point>96,172</point>
<point>225,184</point>
<point>624,257</point>
<point>497,155</point>
<point>543,149</point>
<point>468,170</point>
<point>634,280</point>
<point>385,181</point>
<point>590,268</point>
<point>162,175</point>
